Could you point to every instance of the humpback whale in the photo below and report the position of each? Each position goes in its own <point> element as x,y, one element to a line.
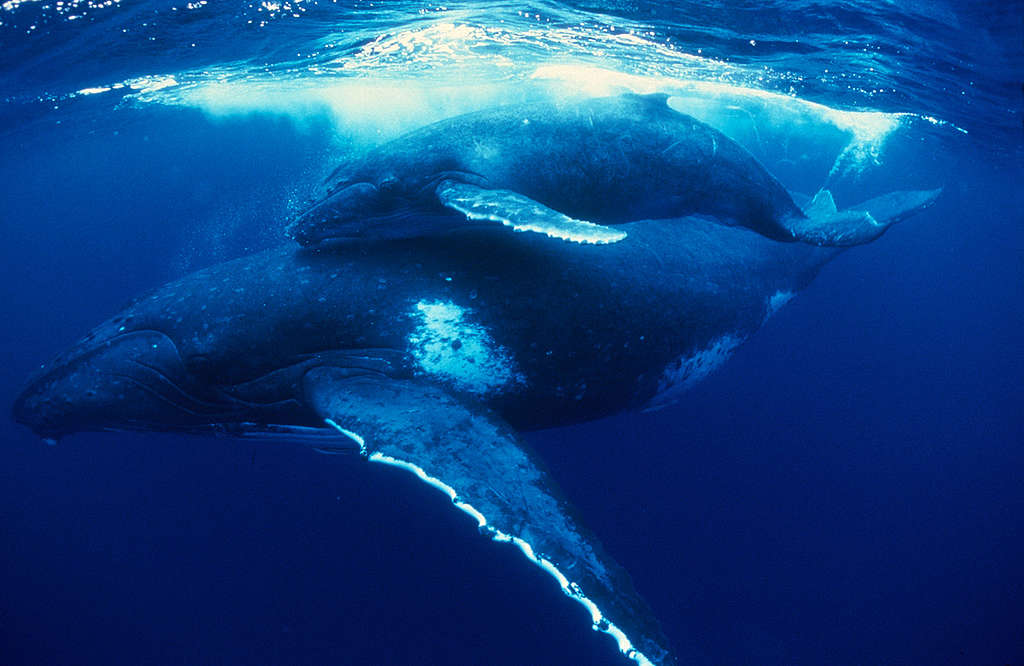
<point>570,170</point>
<point>432,354</point>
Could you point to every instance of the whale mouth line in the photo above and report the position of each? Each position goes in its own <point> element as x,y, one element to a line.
<point>188,403</point>
<point>139,380</point>
<point>135,381</point>
<point>75,391</point>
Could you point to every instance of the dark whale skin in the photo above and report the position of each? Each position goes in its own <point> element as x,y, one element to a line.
<point>607,160</point>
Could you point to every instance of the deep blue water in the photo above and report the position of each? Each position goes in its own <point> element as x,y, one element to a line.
<point>848,489</point>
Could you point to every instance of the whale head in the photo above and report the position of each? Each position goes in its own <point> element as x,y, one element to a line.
<point>387,208</point>
<point>124,378</point>
<point>341,214</point>
<point>115,380</point>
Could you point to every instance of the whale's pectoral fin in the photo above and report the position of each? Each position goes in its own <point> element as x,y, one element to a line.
<point>825,225</point>
<point>468,453</point>
<point>521,213</point>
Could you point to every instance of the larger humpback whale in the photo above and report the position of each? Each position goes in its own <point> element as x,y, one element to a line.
<point>430,353</point>
<point>568,169</point>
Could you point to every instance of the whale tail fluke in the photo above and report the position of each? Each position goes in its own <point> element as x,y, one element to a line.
<point>825,225</point>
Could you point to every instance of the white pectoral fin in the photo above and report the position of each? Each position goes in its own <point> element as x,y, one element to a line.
<point>468,453</point>
<point>521,213</point>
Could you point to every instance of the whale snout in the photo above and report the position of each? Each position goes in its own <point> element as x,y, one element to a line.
<point>338,216</point>
<point>127,381</point>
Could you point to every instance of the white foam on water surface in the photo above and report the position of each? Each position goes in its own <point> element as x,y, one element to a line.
<point>867,130</point>
<point>384,84</point>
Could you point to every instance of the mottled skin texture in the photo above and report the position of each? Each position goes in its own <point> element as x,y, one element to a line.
<point>294,337</point>
<point>608,161</point>
<point>590,329</point>
<point>430,351</point>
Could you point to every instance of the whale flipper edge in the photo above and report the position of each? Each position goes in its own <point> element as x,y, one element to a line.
<point>522,213</point>
<point>470,454</point>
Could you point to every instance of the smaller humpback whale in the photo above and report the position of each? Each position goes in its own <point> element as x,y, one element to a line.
<point>570,171</point>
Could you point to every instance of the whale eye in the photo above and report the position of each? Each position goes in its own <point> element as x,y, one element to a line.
<point>388,184</point>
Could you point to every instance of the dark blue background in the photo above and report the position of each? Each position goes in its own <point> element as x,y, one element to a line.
<point>848,489</point>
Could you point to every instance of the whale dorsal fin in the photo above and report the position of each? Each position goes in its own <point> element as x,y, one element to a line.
<point>521,213</point>
<point>654,99</point>
<point>820,205</point>
<point>471,455</point>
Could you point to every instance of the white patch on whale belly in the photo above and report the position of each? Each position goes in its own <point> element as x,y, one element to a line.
<point>450,347</point>
<point>777,300</point>
<point>686,371</point>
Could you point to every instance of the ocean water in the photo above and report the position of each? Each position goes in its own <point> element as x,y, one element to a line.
<point>847,489</point>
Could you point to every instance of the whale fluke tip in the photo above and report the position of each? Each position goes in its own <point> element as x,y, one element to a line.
<point>825,225</point>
